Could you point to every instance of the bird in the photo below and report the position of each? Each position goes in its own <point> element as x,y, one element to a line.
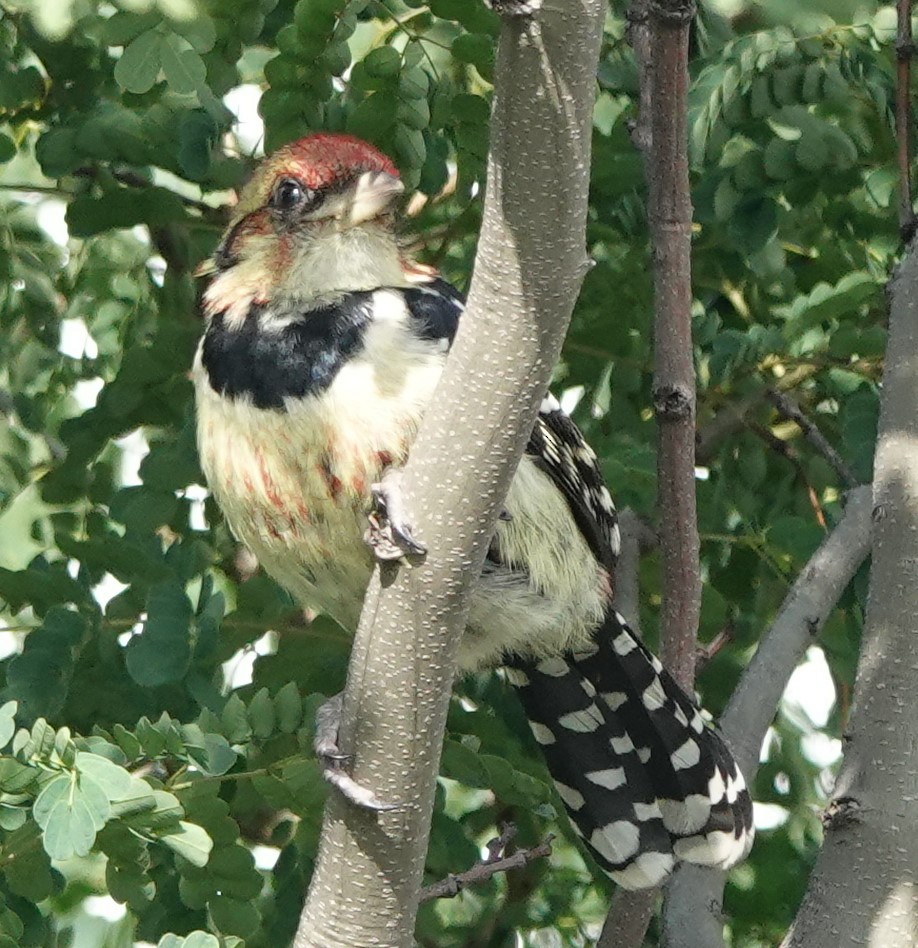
<point>323,343</point>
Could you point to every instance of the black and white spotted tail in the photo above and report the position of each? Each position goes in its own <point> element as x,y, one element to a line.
<point>645,781</point>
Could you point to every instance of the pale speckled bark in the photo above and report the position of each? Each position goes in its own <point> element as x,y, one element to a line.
<point>528,271</point>
<point>864,889</point>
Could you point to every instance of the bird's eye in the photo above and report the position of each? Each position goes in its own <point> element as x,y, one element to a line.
<point>289,194</point>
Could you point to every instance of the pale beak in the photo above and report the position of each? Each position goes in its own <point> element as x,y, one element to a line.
<point>373,193</point>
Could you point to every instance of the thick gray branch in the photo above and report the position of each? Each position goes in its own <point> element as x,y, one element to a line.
<point>527,274</point>
<point>863,890</point>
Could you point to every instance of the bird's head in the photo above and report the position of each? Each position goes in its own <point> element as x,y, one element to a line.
<point>316,220</point>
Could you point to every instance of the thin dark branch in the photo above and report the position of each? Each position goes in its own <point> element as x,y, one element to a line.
<point>789,409</point>
<point>639,36</point>
<point>789,454</point>
<point>670,217</point>
<point>496,861</point>
<point>708,650</point>
<point>659,33</point>
<point>905,51</point>
<point>731,418</point>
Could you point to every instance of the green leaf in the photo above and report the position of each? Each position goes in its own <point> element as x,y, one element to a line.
<point>182,66</point>
<point>115,781</point>
<point>139,66</point>
<point>478,50</point>
<point>234,916</point>
<point>210,752</point>
<point>235,721</point>
<point>29,874</point>
<point>12,817</point>
<point>196,939</point>
<point>859,420</point>
<point>15,777</point>
<point>374,117</point>
<point>383,62</point>
<point>122,27</point>
<point>812,152</point>
<point>289,708</point>
<point>261,714</point>
<point>70,815</point>
<point>191,842</point>
<point>162,652</point>
<point>463,764</point>
<point>7,722</point>
<point>199,30</point>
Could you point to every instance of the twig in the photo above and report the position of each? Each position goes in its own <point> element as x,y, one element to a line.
<point>789,454</point>
<point>639,36</point>
<point>905,51</point>
<point>494,863</point>
<point>789,409</point>
<point>732,417</point>
<point>708,650</point>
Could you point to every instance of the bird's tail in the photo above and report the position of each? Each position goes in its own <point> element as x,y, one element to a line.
<point>645,781</point>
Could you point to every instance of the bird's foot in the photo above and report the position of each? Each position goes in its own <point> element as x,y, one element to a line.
<point>332,761</point>
<point>389,534</point>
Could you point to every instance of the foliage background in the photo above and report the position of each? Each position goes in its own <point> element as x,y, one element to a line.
<point>155,777</point>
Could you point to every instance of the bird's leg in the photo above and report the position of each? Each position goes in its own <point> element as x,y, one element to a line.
<point>332,761</point>
<point>389,534</point>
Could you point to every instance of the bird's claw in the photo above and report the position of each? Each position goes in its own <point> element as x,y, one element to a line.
<point>389,534</point>
<point>332,761</point>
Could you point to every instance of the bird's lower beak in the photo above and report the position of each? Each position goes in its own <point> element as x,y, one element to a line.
<point>374,192</point>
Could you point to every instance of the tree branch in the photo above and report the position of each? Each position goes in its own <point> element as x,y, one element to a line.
<point>905,52</point>
<point>862,889</point>
<point>659,33</point>
<point>696,894</point>
<point>629,915</point>
<point>529,267</point>
<point>670,215</point>
<point>788,408</point>
<point>497,861</point>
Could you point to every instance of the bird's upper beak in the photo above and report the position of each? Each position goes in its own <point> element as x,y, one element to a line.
<point>373,193</point>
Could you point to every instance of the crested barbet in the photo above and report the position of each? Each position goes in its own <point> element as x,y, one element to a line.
<point>324,343</point>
